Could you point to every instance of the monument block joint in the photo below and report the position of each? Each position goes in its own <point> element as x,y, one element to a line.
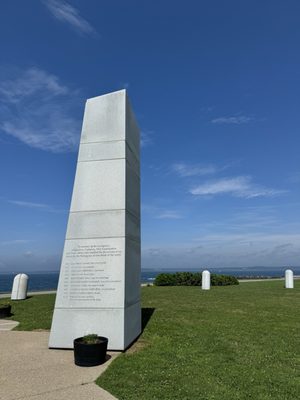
<point>99,284</point>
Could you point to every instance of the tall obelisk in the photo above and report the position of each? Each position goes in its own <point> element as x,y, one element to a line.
<point>99,282</point>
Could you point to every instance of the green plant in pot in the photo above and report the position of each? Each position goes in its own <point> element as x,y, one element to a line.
<point>5,310</point>
<point>90,350</point>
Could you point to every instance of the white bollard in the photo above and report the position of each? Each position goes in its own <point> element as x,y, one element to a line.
<point>289,279</point>
<point>19,289</point>
<point>205,280</point>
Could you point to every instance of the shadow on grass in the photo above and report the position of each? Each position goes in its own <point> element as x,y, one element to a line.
<point>147,313</point>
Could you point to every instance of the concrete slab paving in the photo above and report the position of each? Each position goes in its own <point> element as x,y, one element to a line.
<point>7,325</point>
<point>29,370</point>
<point>89,391</point>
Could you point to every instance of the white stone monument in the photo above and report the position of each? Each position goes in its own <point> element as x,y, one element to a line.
<point>19,289</point>
<point>99,284</point>
<point>205,280</point>
<point>289,279</point>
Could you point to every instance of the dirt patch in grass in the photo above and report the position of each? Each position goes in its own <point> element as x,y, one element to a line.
<point>139,345</point>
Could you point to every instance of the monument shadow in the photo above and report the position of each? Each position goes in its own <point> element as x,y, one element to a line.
<point>147,313</point>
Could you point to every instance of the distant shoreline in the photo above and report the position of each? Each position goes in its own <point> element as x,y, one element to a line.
<point>241,280</point>
<point>48,281</point>
<point>273,278</point>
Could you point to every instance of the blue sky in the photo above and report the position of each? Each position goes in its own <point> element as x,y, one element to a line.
<point>215,88</point>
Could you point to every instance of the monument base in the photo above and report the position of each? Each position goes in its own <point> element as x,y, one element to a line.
<point>70,324</point>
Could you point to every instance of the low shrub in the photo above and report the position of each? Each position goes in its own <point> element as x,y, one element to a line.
<point>192,279</point>
<point>165,280</point>
<point>223,280</point>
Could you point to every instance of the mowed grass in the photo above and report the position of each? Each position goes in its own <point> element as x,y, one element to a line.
<point>33,313</point>
<point>237,342</point>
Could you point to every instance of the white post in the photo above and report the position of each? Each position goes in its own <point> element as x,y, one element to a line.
<point>19,289</point>
<point>205,280</point>
<point>289,279</point>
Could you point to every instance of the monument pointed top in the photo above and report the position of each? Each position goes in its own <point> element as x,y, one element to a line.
<point>116,92</point>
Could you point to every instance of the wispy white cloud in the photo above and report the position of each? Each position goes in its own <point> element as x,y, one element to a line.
<point>248,239</point>
<point>226,251</point>
<point>14,242</point>
<point>146,138</point>
<point>234,120</point>
<point>240,186</point>
<point>28,204</point>
<point>28,253</point>
<point>169,214</point>
<point>38,206</point>
<point>252,220</point>
<point>186,170</point>
<point>240,223</point>
<point>37,109</point>
<point>30,82</point>
<point>160,212</point>
<point>64,12</point>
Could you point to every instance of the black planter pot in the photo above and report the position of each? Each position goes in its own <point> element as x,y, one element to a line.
<point>89,355</point>
<point>5,311</point>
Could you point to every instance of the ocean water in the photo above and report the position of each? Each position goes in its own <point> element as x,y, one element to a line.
<point>37,281</point>
<point>49,280</point>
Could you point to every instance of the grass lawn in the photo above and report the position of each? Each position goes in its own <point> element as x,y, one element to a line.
<point>237,342</point>
<point>32,313</point>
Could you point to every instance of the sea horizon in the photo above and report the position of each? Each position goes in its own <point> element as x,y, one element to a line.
<point>48,280</point>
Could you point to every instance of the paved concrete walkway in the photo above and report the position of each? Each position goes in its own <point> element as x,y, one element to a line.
<point>7,325</point>
<point>30,371</point>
